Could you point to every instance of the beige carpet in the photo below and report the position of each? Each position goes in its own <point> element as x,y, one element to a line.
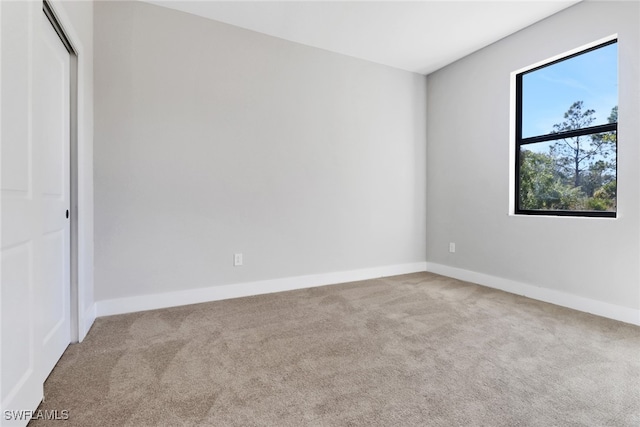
<point>413,350</point>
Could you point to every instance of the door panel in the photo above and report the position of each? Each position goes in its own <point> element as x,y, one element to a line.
<point>55,315</point>
<point>35,194</point>
<point>17,283</point>
<point>20,385</point>
<point>52,115</point>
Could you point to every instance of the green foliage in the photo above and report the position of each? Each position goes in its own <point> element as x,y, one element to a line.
<point>604,198</point>
<point>540,185</point>
<point>613,117</point>
<point>599,174</point>
<point>597,204</point>
<point>578,173</point>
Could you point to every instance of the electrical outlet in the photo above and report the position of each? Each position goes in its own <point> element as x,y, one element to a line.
<point>452,247</point>
<point>237,260</point>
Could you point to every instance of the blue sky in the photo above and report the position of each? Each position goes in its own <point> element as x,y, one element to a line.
<point>549,92</point>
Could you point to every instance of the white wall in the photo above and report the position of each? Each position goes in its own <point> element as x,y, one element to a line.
<point>212,140</point>
<point>468,169</point>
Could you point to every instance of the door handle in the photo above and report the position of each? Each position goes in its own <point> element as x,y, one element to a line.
<point>67,215</point>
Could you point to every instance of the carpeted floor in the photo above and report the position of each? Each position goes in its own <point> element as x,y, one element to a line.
<point>413,350</point>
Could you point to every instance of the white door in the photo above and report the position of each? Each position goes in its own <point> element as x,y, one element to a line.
<point>52,119</point>
<point>35,238</point>
<point>21,218</point>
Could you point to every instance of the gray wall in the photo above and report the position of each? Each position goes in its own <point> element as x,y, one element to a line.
<point>468,167</point>
<point>211,139</point>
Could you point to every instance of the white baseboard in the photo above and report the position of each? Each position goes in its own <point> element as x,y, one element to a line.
<point>599,308</point>
<point>215,293</point>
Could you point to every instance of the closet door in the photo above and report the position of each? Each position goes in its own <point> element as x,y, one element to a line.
<point>52,130</point>
<point>35,192</point>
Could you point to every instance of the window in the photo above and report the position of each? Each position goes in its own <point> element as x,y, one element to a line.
<point>566,135</point>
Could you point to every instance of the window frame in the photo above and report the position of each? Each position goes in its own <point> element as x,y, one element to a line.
<point>520,141</point>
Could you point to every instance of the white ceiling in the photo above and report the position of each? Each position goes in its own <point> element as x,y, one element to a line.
<point>419,36</point>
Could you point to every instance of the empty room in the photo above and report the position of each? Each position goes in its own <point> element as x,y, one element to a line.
<point>320,213</point>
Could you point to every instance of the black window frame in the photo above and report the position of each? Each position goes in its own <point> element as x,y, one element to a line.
<point>520,141</point>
